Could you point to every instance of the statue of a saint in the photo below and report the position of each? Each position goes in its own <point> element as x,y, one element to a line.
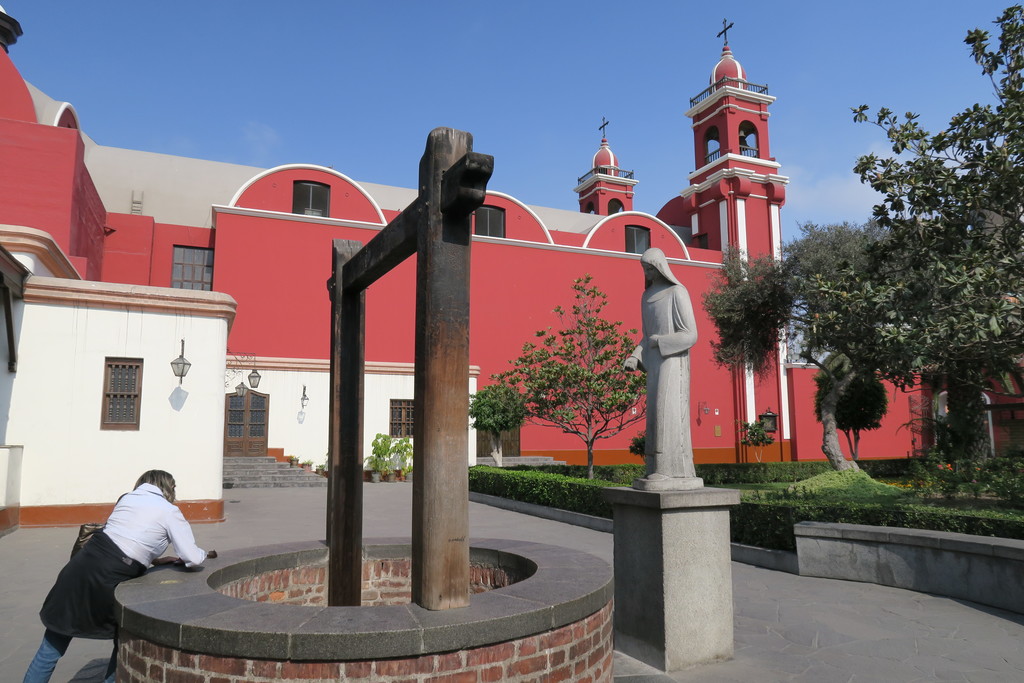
<point>669,331</point>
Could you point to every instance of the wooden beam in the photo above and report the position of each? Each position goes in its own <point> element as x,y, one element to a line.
<point>390,247</point>
<point>345,453</point>
<point>440,535</point>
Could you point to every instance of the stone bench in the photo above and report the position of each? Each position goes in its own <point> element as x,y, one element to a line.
<point>981,569</point>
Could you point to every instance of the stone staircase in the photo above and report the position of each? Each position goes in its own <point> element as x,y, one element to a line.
<point>264,472</point>
<point>530,460</point>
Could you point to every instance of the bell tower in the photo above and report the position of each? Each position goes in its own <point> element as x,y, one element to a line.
<point>736,193</point>
<point>734,202</point>
<point>606,188</point>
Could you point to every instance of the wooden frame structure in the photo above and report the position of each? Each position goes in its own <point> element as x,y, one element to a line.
<point>437,228</point>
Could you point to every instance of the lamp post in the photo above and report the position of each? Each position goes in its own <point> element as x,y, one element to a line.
<point>180,365</point>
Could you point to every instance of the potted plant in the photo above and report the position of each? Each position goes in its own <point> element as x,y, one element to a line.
<point>401,457</point>
<point>379,462</point>
<point>293,460</point>
<point>307,465</point>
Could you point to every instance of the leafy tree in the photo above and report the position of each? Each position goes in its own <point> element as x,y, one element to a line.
<point>495,409</point>
<point>756,435</point>
<point>757,303</point>
<point>573,378</point>
<point>947,279</point>
<point>861,407</point>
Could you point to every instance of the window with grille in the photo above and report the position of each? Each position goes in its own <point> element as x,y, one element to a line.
<point>311,199</point>
<point>489,221</point>
<point>401,417</point>
<point>638,239</point>
<point>122,393</point>
<point>192,268</point>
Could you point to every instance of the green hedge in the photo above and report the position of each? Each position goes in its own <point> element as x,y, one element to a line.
<point>764,523</point>
<point>769,524</point>
<point>720,474</point>
<point>620,475</point>
<point>542,488</point>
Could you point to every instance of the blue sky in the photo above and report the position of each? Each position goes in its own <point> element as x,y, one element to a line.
<point>357,85</point>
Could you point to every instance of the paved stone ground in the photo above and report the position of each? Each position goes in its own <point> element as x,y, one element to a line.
<point>788,628</point>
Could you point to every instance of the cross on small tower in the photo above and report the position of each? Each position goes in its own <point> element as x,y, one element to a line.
<point>724,33</point>
<point>604,124</point>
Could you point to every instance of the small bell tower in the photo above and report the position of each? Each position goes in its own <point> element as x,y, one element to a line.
<point>606,188</point>
<point>736,193</point>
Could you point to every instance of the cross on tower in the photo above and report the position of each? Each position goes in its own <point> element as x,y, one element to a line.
<point>604,124</point>
<point>724,33</point>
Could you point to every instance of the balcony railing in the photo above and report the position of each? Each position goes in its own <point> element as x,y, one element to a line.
<point>748,151</point>
<point>733,82</point>
<point>711,156</point>
<point>612,171</point>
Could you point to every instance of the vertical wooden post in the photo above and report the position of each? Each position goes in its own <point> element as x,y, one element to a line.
<point>440,525</point>
<point>345,473</point>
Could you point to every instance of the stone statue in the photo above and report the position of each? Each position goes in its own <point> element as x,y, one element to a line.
<point>669,331</point>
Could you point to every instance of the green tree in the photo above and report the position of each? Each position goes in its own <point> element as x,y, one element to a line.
<point>861,407</point>
<point>945,283</point>
<point>573,378</point>
<point>756,435</point>
<point>495,409</point>
<point>757,303</point>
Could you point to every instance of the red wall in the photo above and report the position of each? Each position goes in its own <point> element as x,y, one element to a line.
<point>46,186</point>
<point>892,440</point>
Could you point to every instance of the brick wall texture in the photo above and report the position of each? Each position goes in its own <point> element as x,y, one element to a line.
<point>580,652</point>
<point>385,582</point>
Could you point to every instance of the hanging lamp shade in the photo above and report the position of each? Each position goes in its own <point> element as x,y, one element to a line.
<point>254,378</point>
<point>180,365</point>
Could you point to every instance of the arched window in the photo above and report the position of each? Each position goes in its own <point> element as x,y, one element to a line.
<point>489,221</point>
<point>590,207</point>
<point>748,139</point>
<point>614,206</point>
<point>712,147</point>
<point>638,239</point>
<point>311,198</point>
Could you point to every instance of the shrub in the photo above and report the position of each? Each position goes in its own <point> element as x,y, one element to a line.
<point>769,523</point>
<point>543,488</point>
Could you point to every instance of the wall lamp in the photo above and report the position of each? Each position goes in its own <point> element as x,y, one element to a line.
<point>770,421</point>
<point>254,379</point>
<point>180,365</point>
<point>305,399</point>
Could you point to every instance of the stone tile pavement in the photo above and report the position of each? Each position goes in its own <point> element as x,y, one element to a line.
<point>788,628</point>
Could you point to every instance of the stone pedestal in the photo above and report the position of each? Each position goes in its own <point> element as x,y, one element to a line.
<point>673,577</point>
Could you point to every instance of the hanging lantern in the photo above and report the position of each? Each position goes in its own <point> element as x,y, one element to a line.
<point>180,365</point>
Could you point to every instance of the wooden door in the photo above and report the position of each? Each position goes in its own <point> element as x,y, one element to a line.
<point>245,424</point>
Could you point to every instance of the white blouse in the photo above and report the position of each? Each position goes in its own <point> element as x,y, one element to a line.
<point>144,522</point>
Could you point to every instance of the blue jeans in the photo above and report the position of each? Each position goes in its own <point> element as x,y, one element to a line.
<point>52,648</point>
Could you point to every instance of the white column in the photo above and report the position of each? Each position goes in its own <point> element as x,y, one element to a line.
<point>723,222</point>
<point>741,225</point>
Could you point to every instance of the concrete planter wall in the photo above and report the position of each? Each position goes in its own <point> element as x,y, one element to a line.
<point>982,569</point>
<point>553,624</point>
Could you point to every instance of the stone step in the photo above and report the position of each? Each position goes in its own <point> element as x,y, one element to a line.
<point>267,472</point>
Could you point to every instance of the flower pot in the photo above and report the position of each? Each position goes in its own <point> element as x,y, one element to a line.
<point>392,477</point>
<point>375,477</point>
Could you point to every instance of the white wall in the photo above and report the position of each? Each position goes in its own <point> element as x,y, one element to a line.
<point>55,398</point>
<point>308,440</point>
<point>10,476</point>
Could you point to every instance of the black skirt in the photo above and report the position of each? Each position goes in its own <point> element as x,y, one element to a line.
<point>81,602</point>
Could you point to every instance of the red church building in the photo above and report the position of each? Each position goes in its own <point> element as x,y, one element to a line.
<point>263,237</point>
